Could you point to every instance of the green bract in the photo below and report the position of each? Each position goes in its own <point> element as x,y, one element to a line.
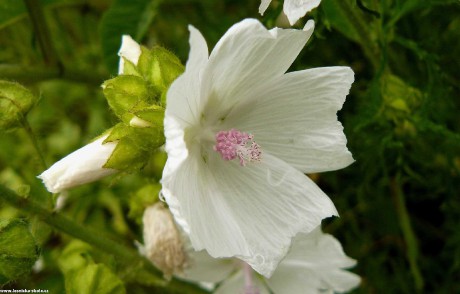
<point>137,99</point>
<point>15,102</point>
<point>18,250</point>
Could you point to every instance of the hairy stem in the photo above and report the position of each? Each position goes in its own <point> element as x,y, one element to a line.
<point>42,32</point>
<point>33,139</point>
<point>37,74</point>
<point>126,255</point>
<point>367,44</point>
<point>408,232</point>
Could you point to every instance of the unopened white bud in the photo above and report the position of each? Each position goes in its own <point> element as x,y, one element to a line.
<point>163,242</point>
<point>80,167</point>
<point>139,123</point>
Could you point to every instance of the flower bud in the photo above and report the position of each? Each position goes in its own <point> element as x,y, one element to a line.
<point>80,167</point>
<point>163,242</point>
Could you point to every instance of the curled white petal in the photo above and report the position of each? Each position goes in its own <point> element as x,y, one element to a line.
<point>295,9</point>
<point>130,50</point>
<point>83,166</point>
<point>263,6</point>
<point>316,262</point>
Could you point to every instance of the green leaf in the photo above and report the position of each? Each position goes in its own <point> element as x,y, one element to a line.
<point>75,255</point>
<point>336,18</point>
<point>141,199</point>
<point>125,17</point>
<point>18,249</point>
<point>15,103</point>
<point>94,278</point>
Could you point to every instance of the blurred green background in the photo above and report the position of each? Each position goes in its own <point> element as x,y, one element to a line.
<point>399,202</point>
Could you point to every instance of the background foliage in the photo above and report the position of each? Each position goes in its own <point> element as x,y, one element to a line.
<point>399,202</point>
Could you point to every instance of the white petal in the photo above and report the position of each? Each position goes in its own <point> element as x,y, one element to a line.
<point>235,285</point>
<point>315,262</point>
<point>248,56</point>
<point>130,50</point>
<point>263,6</point>
<point>295,118</point>
<point>80,167</point>
<point>295,9</point>
<point>249,212</point>
<point>204,268</point>
<point>184,95</point>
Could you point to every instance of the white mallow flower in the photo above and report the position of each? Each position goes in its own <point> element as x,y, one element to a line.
<point>294,9</point>
<point>241,133</point>
<point>80,167</point>
<point>85,165</point>
<point>315,264</point>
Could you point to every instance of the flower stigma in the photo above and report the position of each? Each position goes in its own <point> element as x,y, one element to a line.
<point>233,143</point>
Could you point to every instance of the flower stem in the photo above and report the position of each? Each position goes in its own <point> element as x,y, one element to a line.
<point>33,138</point>
<point>37,74</point>
<point>249,287</point>
<point>42,32</point>
<point>408,232</point>
<point>356,20</point>
<point>125,254</point>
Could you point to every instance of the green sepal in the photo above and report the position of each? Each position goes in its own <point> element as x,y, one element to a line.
<point>15,102</point>
<point>159,67</point>
<point>133,150</point>
<point>127,94</point>
<point>130,68</point>
<point>119,131</point>
<point>154,114</point>
<point>94,278</point>
<point>18,249</point>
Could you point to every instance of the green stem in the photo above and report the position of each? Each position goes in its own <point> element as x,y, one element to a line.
<point>125,254</point>
<point>33,138</point>
<point>408,232</point>
<point>42,32</point>
<point>26,74</point>
<point>356,20</point>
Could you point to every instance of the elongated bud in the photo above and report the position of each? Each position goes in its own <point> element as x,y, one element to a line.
<point>163,242</point>
<point>80,167</point>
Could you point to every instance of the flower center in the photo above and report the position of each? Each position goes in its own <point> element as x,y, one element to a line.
<point>232,144</point>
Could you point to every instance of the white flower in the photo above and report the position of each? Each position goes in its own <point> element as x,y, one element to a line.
<point>294,9</point>
<point>315,264</point>
<point>86,164</point>
<point>80,167</point>
<point>239,104</point>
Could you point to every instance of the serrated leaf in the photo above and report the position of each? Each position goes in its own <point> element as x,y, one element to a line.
<point>123,18</point>
<point>18,249</point>
<point>15,102</point>
<point>94,278</point>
